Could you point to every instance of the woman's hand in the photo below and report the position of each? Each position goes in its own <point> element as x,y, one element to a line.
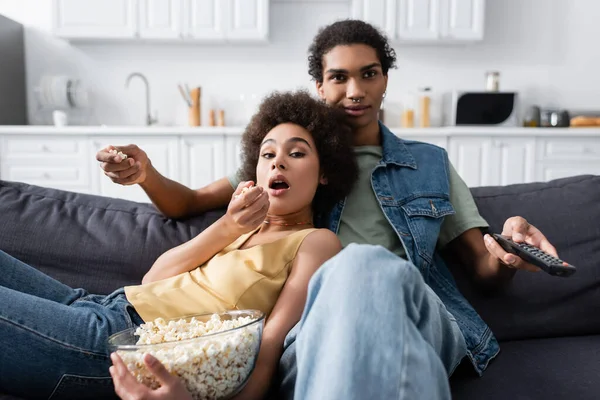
<point>247,208</point>
<point>128,388</point>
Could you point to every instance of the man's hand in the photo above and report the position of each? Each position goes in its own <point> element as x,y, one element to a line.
<point>519,230</point>
<point>128,388</point>
<point>247,209</point>
<point>127,171</point>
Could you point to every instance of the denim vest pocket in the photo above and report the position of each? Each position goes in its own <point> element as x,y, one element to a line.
<point>84,387</point>
<point>424,216</point>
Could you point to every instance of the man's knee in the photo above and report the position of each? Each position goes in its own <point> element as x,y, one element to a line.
<point>364,258</point>
<point>359,265</point>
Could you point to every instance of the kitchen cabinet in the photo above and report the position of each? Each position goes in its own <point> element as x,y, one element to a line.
<point>91,19</point>
<point>248,20</point>
<point>65,158</point>
<point>462,20</point>
<point>57,161</point>
<point>171,20</point>
<point>205,19</point>
<point>234,153</point>
<point>203,160</point>
<point>160,19</point>
<point>559,157</point>
<point>490,161</point>
<point>424,20</point>
<point>230,20</point>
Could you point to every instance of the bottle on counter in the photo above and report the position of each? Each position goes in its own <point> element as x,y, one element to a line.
<point>407,118</point>
<point>221,118</point>
<point>211,118</point>
<point>424,107</point>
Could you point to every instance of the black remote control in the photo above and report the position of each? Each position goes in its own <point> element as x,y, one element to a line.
<point>549,264</point>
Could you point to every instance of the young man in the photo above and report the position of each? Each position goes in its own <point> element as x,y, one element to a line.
<point>383,318</point>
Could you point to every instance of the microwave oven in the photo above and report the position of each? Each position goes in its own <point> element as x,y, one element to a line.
<point>482,108</point>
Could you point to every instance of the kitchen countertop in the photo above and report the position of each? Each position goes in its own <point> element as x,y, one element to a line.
<point>229,130</point>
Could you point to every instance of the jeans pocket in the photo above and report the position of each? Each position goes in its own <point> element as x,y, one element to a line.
<point>84,387</point>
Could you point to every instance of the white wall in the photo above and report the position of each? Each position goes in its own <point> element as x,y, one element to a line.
<point>545,49</point>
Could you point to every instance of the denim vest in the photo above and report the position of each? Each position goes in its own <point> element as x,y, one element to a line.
<point>411,183</point>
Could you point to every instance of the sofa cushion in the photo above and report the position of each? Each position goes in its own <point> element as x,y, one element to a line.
<point>567,211</point>
<point>559,368</point>
<point>93,242</point>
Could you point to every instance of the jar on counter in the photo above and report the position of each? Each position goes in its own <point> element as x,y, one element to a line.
<point>492,81</point>
<point>425,107</point>
<point>407,119</point>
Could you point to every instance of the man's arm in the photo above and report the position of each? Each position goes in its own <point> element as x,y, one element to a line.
<point>317,248</point>
<point>175,200</point>
<point>487,262</point>
<point>171,198</point>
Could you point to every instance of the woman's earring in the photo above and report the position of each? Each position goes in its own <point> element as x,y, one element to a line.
<point>384,93</point>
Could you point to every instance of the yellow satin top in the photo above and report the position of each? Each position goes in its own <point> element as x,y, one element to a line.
<point>233,279</point>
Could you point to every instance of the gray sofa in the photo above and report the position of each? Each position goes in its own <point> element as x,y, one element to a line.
<point>549,328</point>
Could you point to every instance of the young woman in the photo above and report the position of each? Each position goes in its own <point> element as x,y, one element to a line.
<point>299,153</point>
<point>407,205</point>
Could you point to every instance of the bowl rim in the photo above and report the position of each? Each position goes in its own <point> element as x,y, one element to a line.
<point>129,347</point>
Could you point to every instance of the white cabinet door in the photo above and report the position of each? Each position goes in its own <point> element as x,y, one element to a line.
<point>471,158</point>
<point>560,157</point>
<point>491,161</point>
<point>205,19</point>
<point>203,160</point>
<point>110,19</point>
<point>462,19</point>
<point>163,152</point>
<point>234,153</point>
<point>58,162</point>
<point>247,20</point>
<point>160,19</point>
<point>512,161</point>
<point>381,13</point>
<point>418,20</point>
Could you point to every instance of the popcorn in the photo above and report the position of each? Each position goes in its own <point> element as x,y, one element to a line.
<point>244,190</point>
<point>119,153</point>
<point>211,368</point>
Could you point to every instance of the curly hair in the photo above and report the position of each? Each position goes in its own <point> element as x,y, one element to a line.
<point>347,32</point>
<point>329,130</point>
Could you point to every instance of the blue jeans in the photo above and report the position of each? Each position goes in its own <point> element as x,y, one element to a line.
<point>53,338</point>
<point>371,329</point>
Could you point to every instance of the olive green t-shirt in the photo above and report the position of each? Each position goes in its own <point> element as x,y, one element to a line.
<point>372,227</point>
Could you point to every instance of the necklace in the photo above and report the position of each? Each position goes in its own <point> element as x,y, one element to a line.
<point>284,224</point>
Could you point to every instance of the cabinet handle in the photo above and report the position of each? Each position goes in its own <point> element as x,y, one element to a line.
<point>46,175</point>
<point>45,149</point>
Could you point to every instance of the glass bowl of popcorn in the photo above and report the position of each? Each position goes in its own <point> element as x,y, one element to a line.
<point>213,354</point>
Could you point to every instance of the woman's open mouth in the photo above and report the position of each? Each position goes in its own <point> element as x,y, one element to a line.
<point>278,185</point>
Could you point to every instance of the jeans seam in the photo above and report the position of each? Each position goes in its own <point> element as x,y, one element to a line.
<point>68,346</point>
<point>403,368</point>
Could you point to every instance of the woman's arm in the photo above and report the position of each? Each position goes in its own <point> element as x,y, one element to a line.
<point>317,247</point>
<point>244,214</point>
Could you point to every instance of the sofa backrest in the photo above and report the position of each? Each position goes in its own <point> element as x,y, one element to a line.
<point>94,242</point>
<point>101,244</point>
